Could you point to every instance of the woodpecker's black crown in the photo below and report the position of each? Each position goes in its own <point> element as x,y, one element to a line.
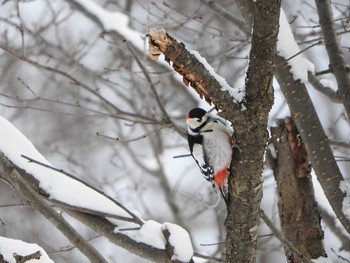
<point>196,113</point>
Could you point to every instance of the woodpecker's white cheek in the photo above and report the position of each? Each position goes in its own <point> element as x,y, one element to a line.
<point>205,117</point>
<point>192,123</point>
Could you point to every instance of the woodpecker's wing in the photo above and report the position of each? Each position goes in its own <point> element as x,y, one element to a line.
<point>224,124</point>
<point>198,155</point>
<point>195,143</point>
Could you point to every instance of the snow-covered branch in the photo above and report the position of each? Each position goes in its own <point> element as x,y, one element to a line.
<point>193,68</point>
<point>11,175</point>
<point>17,251</point>
<point>33,177</point>
<point>110,22</point>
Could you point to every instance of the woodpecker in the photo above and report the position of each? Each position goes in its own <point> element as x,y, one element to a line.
<point>210,143</point>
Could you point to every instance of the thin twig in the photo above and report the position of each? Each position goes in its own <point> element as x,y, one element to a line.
<point>69,248</point>
<point>328,92</point>
<point>303,50</point>
<point>73,80</point>
<point>27,86</point>
<point>24,188</point>
<point>137,138</point>
<point>134,218</point>
<point>330,221</point>
<point>339,256</point>
<point>21,27</point>
<point>182,156</point>
<point>227,15</point>
<point>166,116</point>
<point>13,205</point>
<point>198,255</point>
<point>77,104</point>
<point>282,238</point>
<point>340,144</point>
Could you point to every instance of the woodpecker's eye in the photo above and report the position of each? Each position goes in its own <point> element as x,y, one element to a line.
<point>198,120</point>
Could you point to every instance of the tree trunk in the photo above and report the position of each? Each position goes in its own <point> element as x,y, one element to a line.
<point>299,216</point>
<point>245,186</point>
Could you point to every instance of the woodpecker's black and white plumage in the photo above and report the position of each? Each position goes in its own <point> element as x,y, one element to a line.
<point>210,143</point>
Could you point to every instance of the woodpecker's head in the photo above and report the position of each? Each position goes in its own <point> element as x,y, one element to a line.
<point>196,119</point>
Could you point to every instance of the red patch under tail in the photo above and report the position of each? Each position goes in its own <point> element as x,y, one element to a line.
<point>220,178</point>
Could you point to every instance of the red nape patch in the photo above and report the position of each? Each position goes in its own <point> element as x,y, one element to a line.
<point>188,116</point>
<point>220,178</point>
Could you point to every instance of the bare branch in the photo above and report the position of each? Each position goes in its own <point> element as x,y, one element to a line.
<point>225,14</point>
<point>345,145</point>
<point>328,92</point>
<point>211,259</point>
<point>11,175</point>
<point>282,238</point>
<point>338,64</point>
<point>98,223</point>
<point>188,66</point>
<point>133,218</point>
<point>165,114</point>
<point>107,229</point>
<point>74,81</point>
<point>331,222</point>
<point>137,138</point>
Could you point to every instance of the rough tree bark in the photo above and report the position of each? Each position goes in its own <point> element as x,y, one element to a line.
<point>245,189</point>
<point>310,128</point>
<point>314,137</point>
<point>299,216</point>
<point>245,186</point>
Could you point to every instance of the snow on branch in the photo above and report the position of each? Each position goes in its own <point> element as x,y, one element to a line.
<point>288,48</point>
<point>13,251</point>
<point>110,21</point>
<point>345,188</point>
<point>52,181</point>
<point>170,237</point>
<point>179,239</point>
<point>193,67</point>
<point>21,162</point>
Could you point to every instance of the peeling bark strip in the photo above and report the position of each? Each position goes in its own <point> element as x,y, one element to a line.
<point>314,137</point>
<point>187,65</point>
<point>299,216</point>
<point>302,168</point>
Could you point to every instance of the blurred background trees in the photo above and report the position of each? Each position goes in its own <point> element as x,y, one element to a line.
<point>78,95</point>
